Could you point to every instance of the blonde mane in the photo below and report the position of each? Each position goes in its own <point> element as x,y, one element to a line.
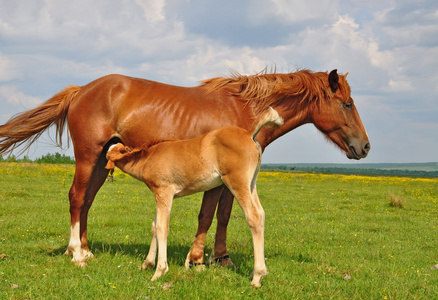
<point>266,89</point>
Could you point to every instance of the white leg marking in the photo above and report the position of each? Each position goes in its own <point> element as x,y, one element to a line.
<point>164,205</point>
<point>74,246</point>
<point>150,259</point>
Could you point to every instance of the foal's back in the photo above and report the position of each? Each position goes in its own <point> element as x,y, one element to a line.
<point>199,164</point>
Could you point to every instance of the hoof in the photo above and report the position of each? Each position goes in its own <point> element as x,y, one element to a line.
<point>197,266</point>
<point>80,262</point>
<point>224,261</point>
<point>257,278</point>
<point>88,255</point>
<point>159,273</point>
<point>147,265</point>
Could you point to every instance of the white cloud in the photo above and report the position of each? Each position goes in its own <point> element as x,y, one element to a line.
<point>400,85</point>
<point>408,23</point>
<point>315,11</point>
<point>153,9</point>
<point>16,97</point>
<point>7,69</point>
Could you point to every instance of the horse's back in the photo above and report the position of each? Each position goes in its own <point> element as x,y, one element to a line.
<point>133,109</point>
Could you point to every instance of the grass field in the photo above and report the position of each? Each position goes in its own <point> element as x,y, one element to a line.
<point>326,237</point>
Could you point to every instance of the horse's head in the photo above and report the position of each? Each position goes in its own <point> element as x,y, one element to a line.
<point>338,119</point>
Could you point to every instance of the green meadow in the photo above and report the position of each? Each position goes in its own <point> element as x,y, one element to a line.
<point>326,237</point>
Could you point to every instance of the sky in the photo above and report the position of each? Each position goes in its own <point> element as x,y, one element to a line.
<point>388,47</point>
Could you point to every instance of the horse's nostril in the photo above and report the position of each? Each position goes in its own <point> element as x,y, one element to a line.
<point>367,148</point>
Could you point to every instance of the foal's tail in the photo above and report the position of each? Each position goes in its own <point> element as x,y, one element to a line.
<point>28,126</point>
<point>269,117</point>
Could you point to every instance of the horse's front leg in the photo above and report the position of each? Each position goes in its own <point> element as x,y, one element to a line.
<point>150,259</point>
<point>164,205</point>
<point>195,257</point>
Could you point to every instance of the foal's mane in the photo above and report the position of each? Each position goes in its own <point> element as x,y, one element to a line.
<point>266,89</point>
<point>141,150</point>
<point>144,148</point>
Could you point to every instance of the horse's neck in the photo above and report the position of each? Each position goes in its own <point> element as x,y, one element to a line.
<point>293,117</point>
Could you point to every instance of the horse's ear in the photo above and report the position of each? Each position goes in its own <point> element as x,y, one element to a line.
<point>334,80</point>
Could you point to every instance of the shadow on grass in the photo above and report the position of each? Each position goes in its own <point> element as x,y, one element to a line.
<point>176,254</point>
<point>301,258</point>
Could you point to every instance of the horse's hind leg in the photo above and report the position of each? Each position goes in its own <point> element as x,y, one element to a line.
<point>89,177</point>
<point>205,217</point>
<point>223,217</point>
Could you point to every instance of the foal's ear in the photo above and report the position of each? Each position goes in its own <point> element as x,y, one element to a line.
<point>334,80</point>
<point>110,165</point>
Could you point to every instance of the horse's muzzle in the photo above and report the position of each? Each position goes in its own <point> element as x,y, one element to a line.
<point>355,152</point>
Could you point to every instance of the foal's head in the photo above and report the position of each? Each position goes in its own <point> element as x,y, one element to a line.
<point>336,116</point>
<point>121,154</point>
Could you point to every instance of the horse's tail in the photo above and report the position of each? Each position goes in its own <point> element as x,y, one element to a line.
<point>269,117</point>
<point>28,126</point>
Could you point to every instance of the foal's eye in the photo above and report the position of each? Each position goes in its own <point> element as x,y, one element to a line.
<point>348,105</point>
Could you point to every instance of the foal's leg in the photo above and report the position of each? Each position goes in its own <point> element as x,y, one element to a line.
<point>89,177</point>
<point>260,269</point>
<point>164,204</point>
<point>255,216</point>
<point>150,259</point>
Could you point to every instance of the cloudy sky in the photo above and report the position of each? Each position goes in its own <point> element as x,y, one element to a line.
<point>389,48</point>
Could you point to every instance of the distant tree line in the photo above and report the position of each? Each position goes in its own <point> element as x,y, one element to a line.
<point>353,171</point>
<point>56,158</point>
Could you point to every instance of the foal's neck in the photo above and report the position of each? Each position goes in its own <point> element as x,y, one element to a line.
<point>133,165</point>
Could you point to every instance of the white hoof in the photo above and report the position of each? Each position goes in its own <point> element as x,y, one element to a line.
<point>159,272</point>
<point>80,262</point>
<point>147,265</point>
<point>257,278</point>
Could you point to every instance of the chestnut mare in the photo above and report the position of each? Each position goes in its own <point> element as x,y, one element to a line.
<point>135,111</point>
<point>171,169</point>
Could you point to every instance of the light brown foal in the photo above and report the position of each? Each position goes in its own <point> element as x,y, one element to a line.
<point>170,169</point>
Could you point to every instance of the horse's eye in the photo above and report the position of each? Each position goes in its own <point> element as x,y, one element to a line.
<point>348,105</point>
